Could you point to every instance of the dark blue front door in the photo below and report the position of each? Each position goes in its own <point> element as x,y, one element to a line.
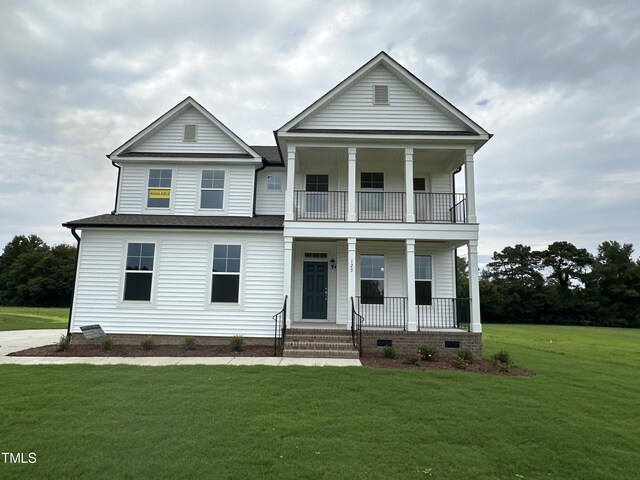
<point>314,290</point>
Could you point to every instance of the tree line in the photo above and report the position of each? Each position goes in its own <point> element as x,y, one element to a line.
<point>562,285</point>
<point>33,274</point>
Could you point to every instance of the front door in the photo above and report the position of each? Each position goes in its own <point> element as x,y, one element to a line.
<point>314,291</point>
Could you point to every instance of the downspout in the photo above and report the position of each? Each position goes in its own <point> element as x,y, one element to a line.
<point>75,277</point>
<point>255,184</point>
<point>115,207</point>
<point>455,250</point>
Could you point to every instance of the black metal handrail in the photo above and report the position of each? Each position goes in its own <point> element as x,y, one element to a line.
<point>440,207</point>
<point>381,206</point>
<point>356,328</point>
<point>280,318</point>
<point>389,312</point>
<point>444,313</point>
<point>321,205</point>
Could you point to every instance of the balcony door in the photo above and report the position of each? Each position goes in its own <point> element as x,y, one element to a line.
<point>371,195</point>
<point>317,195</point>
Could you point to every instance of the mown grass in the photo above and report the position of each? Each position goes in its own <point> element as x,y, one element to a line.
<point>576,419</point>
<point>26,318</point>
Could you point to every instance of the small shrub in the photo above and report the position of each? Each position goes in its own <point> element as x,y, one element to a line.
<point>502,360</point>
<point>189,343</point>
<point>106,343</point>
<point>64,343</point>
<point>237,343</point>
<point>389,352</point>
<point>460,363</point>
<point>411,360</point>
<point>466,355</point>
<point>147,343</point>
<point>428,353</point>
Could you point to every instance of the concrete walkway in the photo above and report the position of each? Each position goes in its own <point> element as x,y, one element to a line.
<point>15,340</point>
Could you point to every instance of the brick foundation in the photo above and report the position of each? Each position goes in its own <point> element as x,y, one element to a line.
<point>122,339</point>
<point>407,343</point>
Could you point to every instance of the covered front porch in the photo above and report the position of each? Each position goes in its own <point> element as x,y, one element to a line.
<point>406,285</point>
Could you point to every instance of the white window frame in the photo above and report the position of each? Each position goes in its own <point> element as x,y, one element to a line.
<point>384,276</point>
<point>124,271</point>
<point>146,199</point>
<point>430,280</point>
<point>224,189</point>
<point>241,274</point>
<point>269,184</point>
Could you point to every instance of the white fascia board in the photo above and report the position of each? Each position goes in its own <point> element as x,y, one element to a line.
<point>192,160</point>
<point>383,137</point>
<point>382,231</point>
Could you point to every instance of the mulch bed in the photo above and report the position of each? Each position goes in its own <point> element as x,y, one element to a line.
<point>156,351</point>
<point>375,361</point>
<point>483,366</point>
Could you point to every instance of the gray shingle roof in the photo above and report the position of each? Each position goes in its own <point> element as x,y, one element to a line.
<point>270,153</point>
<point>259,222</point>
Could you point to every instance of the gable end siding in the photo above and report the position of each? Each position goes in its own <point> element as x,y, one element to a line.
<point>407,109</point>
<point>170,137</point>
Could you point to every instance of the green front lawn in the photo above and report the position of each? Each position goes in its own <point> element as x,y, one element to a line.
<point>26,318</point>
<point>576,419</point>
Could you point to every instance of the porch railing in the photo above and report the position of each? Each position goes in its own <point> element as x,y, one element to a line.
<point>321,205</point>
<point>384,312</point>
<point>380,206</point>
<point>440,207</point>
<point>356,328</point>
<point>444,313</point>
<point>280,320</point>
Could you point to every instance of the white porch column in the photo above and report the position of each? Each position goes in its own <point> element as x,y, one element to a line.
<point>474,287</point>
<point>412,324</point>
<point>408,184</point>
<point>288,267</point>
<point>351,274</point>
<point>291,178</point>
<point>351,187</point>
<point>470,186</point>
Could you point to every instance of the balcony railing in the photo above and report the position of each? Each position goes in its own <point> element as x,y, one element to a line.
<point>381,206</point>
<point>440,207</point>
<point>444,313</point>
<point>321,205</point>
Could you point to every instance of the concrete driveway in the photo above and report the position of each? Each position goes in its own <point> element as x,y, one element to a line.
<point>14,340</point>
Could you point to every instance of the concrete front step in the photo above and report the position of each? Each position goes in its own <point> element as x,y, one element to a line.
<point>320,353</point>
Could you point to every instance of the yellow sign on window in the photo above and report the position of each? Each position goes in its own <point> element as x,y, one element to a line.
<point>159,193</point>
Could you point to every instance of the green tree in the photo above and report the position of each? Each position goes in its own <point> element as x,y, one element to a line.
<point>568,264</point>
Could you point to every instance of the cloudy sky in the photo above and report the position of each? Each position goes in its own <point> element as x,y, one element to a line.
<point>556,82</point>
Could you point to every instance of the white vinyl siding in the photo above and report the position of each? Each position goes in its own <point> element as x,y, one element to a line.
<point>238,195</point>
<point>170,137</point>
<point>182,274</point>
<point>270,202</point>
<point>407,109</point>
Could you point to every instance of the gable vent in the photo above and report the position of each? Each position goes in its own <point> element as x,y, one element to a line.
<point>190,133</point>
<point>381,94</point>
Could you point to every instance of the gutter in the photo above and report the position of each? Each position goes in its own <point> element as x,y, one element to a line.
<point>255,184</point>
<point>115,206</point>
<point>75,278</point>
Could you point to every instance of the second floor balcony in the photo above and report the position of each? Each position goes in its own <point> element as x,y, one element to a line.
<point>372,206</point>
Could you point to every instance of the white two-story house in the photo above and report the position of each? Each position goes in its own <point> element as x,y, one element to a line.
<point>350,222</point>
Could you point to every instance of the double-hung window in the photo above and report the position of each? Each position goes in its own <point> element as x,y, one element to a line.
<point>372,279</point>
<point>371,182</point>
<point>225,283</point>
<point>423,279</point>
<point>139,271</point>
<point>274,182</point>
<point>317,193</point>
<point>159,188</point>
<point>212,189</point>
